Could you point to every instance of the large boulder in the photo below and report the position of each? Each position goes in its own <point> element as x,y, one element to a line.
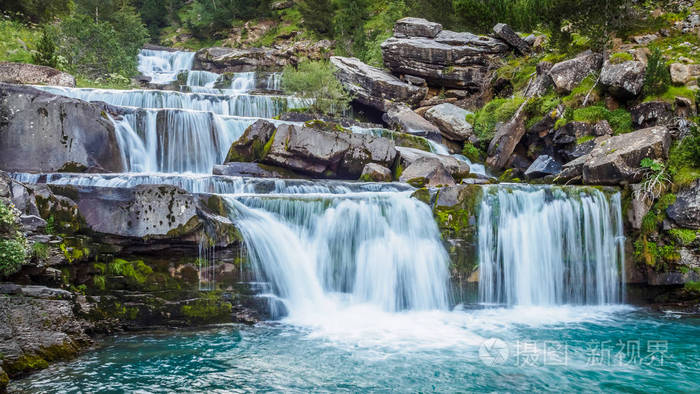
<point>542,166</point>
<point>568,74</point>
<point>623,80</point>
<point>416,27</point>
<point>426,172</point>
<point>32,74</point>
<point>685,211</point>
<point>373,172</point>
<point>43,132</point>
<point>251,145</point>
<point>449,59</point>
<point>373,87</point>
<point>457,168</point>
<point>505,140</point>
<point>252,170</point>
<point>316,149</point>
<point>451,120</point>
<point>615,160</point>
<point>404,119</point>
<point>506,33</point>
<point>221,60</point>
<point>651,113</point>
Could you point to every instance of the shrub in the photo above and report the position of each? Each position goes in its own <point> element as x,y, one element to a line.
<point>16,39</point>
<point>684,236</point>
<point>12,254</point>
<point>658,77</point>
<point>45,54</point>
<point>316,81</point>
<point>40,250</point>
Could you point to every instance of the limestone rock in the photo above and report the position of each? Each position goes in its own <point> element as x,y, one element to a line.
<point>416,27</point>
<point>32,74</point>
<point>375,173</point>
<point>507,136</point>
<point>615,160</point>
<point>568,74</point>
<point>254,170</point>
<point>458,169</point>
<point>542,166</point>
<point>43,132</point>
<point>403,118</point>
<point>680,73</point>
<point>685,211</point>
<point>652,113</point>
<point>451,120</point>
<point>426,172</point>
<point>507,34</point>
<point>251,145</point>
<point>374,87</point>
<point>624,80</point>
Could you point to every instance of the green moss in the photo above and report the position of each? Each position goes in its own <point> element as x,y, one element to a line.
<point>422,195</point>
<point>620,57</point>
<point>584,139</point>
<point>472,153</point>
<point>692,286</point>
<point>24,364</point>
<point>578,94</point>
<point>495,111</point>
<point>135,271</point>
<point>4,380</point>
<point>209,308</point>
<point>620,120</point>
<point>670,93</point>
<point>683,236</point>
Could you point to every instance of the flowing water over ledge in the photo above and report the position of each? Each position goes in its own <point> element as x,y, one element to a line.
<point>549,349</point>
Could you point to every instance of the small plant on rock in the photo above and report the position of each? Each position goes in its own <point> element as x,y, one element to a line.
<point>655,180</point>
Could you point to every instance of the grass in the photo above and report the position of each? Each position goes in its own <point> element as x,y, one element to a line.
<point>497,110</point>
<point>17,40</point>
<point>620,120</point>
<point>671,93</point>
<point>620,57</point>
<point>110,83</point>
<point>578,94</point>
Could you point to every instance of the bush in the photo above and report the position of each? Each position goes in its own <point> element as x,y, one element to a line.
<point>45,54</point>
<point>16,39</point>
<point>472,153</point>
<point>13,245</point>
<point>205,18</point>
<point>316,81</point>
<point>658,77</point>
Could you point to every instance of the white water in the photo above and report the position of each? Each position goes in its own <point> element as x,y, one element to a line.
<point>163,66</point>
<point>550,246</point>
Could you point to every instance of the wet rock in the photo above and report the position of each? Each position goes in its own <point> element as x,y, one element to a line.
<point>451,120</point>
<point>685,212</point>
<point>375,173</point>
<point>373,87</point>
<point>45,292</point>
<point>542,166</point>
<point>639,206</point>
<point>254,170</point>
<point>404,119</point>
<point>32,223</point>
<point>615,160</point>
<point>650,114</point>
<point>42,132</point>
<point>416,27</point>
<point>251,145</point>
<point>22,73</point>
<point>624,80</point>
<point>426,172</point>
<point>458,169</point>
<point>507,34</point>
<point>568,74</point>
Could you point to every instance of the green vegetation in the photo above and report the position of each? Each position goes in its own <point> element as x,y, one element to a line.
<point>684,159</point>
<point>13,245</point>
<point>683,236</point>
<point>497,110</point>
<point>315,80</point>
<point>620,120</point>
<point>657,78</point>
<point>40,250</point>
<point>208,308</point>
<point>17,39</point>
<point>620,57</point>
<point>134,271</point>
<point>473,153</point>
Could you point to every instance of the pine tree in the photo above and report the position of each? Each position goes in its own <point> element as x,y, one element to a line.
<point>45,54</point>
<point>318,15</point>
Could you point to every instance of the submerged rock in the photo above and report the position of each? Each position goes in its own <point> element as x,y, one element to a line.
<point>42,132</point>
<point>32,74</point>
<point>373,87</point>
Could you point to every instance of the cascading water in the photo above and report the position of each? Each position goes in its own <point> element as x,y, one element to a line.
<point>163,66</point>
<point>550,246</point>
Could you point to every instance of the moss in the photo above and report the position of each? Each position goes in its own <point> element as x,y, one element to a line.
<point>472,153</point>
<point>25,363</point>
<point>207,309</point>
<point>620,120</point>
<point>4,379</point>
<point>584,139</point>
<point>578,94</point>
<point>422,194</point>
<point>684,236</point>
<point>620,57</point>
<point>494,112</point>
<point>692,286</point>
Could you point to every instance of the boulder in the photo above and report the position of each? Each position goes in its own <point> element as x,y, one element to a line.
<point>252,170</point>
<point>685,212</point>
<point>426,172</point>
<point>542,166</point>
<point>404,119</point>
<point>638,207</point>
<point>407,156</point>
<point>572,131</point>
<point>624,80</point>
<point>43,132</point>
<point>542,81</point>
<point>451,120</point>
<point>615,160</point>
<point>507,136</point>
<point>251,145</point>
<point>602,128</point>
<point>506,33</point>
<point>650,114</point>
<point>373,87</point>
<point>222,60</point>
<point>452,60</point>
<point>416,27</point>
<point>375,173</point>
<point>22,73</point>
<point>680,73</point>
<point>568,74</point>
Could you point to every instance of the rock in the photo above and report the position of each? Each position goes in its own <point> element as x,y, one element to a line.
<point>615,160</point>
<point>458,169</point>
<point>645,39</point>
<point>251,145</point>
<point>578,150</point>
<point>375,173</point>
<point>542,166</point>
<point>668,278</point>
<point>544,126</point>
<point>685,212</point>
<point>568,74</point>
<point>46,292</point>
<point>404,119</point>
<point>684,107</point>
<point>32,223</point>
<point>452,60</point>
<point>602,128</point>
<point>416,27</point>
<point>542,81</point>
<point>624,80</point>
<point>451,120</point>
<point>222,60</point>
<point>43,132</point>
<point>281,5</point>
<point>317,149</point>
<point>254,170</point>
<point>639,207</point>
<point>571,132</point>
<point>650,114</point>
<point>426,172</point>
<point>413,80</point>
<point>507,34</point>
<point>507,136</point>
<point>373,87</point>
<point>680,73</point>
<point>22,73</point>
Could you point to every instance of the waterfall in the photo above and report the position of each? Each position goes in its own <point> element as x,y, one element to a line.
<point>202,81</point>
<point>163,66</point>
<point>243,82</point>
<point>543,245</point>
<point>319,250</point>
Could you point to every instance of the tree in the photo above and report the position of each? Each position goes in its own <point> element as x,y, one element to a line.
<point>316,80</point>
<point>318,15</point>
<point>45,54</point>
<point>37,11</point>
